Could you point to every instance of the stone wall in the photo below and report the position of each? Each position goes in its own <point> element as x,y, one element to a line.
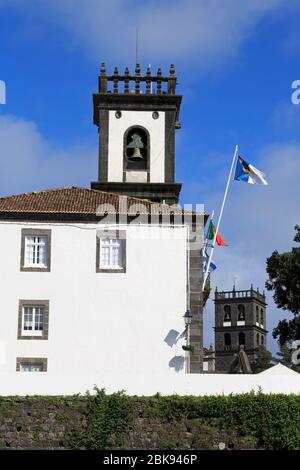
<point>50,422</point>
<point>40,423</point>
<point>184,434</point>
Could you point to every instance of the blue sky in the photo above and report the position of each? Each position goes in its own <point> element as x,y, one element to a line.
<point>235,63</point>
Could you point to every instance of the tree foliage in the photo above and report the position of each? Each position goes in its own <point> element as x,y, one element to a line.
<point>284,280</point>
<point>285,354</point>
<point>264,360</point>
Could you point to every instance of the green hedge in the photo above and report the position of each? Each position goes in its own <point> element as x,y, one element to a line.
<point>273,420</point>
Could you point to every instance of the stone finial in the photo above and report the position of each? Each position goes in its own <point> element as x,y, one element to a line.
<point>158,87</point>
<point>138,69</point>
<point>172,80</point>
<point>102,69</point>
<point>116,80</point>
<point>137,79</point>
<point>148,81</point>
<point>102,79</point>
<point>126,80</point>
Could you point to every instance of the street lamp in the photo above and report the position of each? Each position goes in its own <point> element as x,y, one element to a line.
<point>188,347</point>
<point>187,318</point>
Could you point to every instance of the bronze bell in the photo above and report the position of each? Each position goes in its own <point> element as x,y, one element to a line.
<point>136,154</point>
<point>137,144</point>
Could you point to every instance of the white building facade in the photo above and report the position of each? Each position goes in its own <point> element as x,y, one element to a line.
<point>88,295</point>
<point>78,319</point>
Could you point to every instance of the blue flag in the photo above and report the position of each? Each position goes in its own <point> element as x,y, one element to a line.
<point>248,173</point>
<point>212,266</point>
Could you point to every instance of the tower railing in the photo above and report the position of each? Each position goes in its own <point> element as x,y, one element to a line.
<point>141,83</point>
<point>240,294</point>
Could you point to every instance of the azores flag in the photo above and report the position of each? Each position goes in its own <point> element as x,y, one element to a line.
<point>248,173</point>
<point>212,266</point>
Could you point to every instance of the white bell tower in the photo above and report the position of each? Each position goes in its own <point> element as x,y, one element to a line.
<point>137,134</point>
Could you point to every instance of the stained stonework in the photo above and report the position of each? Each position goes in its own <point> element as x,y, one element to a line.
<point>40,423</point>
<point>151,434</point>
<point>253,331</point>
<point>49,423</point>
<point>196,300</point>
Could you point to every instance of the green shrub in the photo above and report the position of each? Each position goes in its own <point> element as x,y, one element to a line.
<point>108,419</point>
<point>273,420</point>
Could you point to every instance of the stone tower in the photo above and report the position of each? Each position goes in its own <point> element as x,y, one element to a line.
<point>240,319</point>
<point>137,115</point>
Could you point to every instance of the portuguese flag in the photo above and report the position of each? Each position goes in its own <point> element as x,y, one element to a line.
<point>211,233</point>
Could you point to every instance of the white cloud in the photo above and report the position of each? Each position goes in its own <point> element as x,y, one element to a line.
<point>208,33</point>
<point>258,220</point>
<point>286,117</point>
<point>30,162</point>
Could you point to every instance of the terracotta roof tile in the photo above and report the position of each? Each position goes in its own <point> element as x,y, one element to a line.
<point>74,200</point>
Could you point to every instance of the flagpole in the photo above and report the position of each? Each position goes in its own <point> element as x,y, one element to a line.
<point>220,216</point>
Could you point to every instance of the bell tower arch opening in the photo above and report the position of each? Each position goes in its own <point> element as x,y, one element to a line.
<point>136,154</point>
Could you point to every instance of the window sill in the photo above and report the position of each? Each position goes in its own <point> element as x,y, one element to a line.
<point>31,269</point>
<point>43,337</point>
<point>111,270</point>
<point>32,371</point>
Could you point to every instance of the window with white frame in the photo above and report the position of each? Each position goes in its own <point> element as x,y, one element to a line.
<point>32,364</point>
<point>34,367</point>
<point>36,251</point>
<point>33,320</point>
<point>110,253</point>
